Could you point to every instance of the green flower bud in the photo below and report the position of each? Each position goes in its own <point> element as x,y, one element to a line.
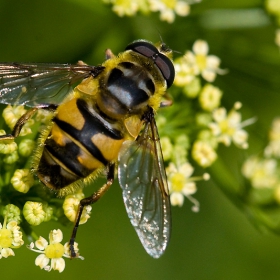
<point>33,213</point>
<point>11,158</point>
<point>12,213</point>
<point>7,146</point>
<point>22,180</point>
<point>26,147</point>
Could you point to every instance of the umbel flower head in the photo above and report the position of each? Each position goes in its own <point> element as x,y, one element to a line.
<point>52,251</point>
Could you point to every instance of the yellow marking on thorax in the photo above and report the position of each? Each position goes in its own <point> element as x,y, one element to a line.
<point>88,86</point>
<point>133,125</point>
<point>69,113</point>
<point>109,147</point>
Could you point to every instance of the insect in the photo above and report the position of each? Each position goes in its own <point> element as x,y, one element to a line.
<point>104,124</point>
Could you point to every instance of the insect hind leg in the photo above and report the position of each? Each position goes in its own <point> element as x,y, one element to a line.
<point>87,201</point>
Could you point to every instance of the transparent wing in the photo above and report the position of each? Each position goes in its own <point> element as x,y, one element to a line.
<point>38,85</point>
<point>145,192</point>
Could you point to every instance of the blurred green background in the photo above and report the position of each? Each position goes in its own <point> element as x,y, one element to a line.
<point>216,243</point>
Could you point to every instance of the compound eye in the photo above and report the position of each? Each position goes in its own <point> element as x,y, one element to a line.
<point>164,64</point>
<point>144,48</point>
<point>166,67</point>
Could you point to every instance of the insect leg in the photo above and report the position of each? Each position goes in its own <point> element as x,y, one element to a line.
<point>167,102</point>
<point>18,126</point>
<point>90,200</point>
<point>109,54</point>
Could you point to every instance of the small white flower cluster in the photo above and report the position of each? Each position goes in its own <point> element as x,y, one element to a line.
<point>219,125</point>
<point>51,253</point>
<point>212,124</point>
<point>34,212</point>
<point>263,172</point>
<point>167,8</point>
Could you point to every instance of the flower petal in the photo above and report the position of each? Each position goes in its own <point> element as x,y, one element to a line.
<point>42,261</point>
<point>186,169</point>
<point>58,264</point>
<point>55,236</point>
<point>189,188</point>
<point>176,198</point>
<point>41,243</point>
<point>200,47</point>
<point>7,252</point>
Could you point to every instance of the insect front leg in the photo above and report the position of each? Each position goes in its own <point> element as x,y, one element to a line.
<point>167,102</point>
<point>109,54</point>
<point>18,126</point>
<point>90,200</point>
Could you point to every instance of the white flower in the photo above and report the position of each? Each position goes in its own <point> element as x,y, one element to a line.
<point>207,65</point>
<point>181,184</point>
<point>52,251</point>
<point>168,9</point>
<point>228,127</point>
<point>10,237</point>
<point>262,173</point>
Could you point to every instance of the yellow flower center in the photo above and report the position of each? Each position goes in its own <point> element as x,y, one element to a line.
<point>169,3</point>
<point>54,251</point>
<point>178,181</point>
<point>201,61</point>
<point>225,128</point>
<point>5,238</point>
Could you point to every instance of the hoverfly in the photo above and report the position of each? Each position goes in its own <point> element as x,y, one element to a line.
<point>106,123</point>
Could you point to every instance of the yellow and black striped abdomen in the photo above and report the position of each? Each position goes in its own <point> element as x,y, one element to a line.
<point>81,142</point>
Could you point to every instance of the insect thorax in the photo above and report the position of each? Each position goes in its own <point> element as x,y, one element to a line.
<point>129,83</point>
